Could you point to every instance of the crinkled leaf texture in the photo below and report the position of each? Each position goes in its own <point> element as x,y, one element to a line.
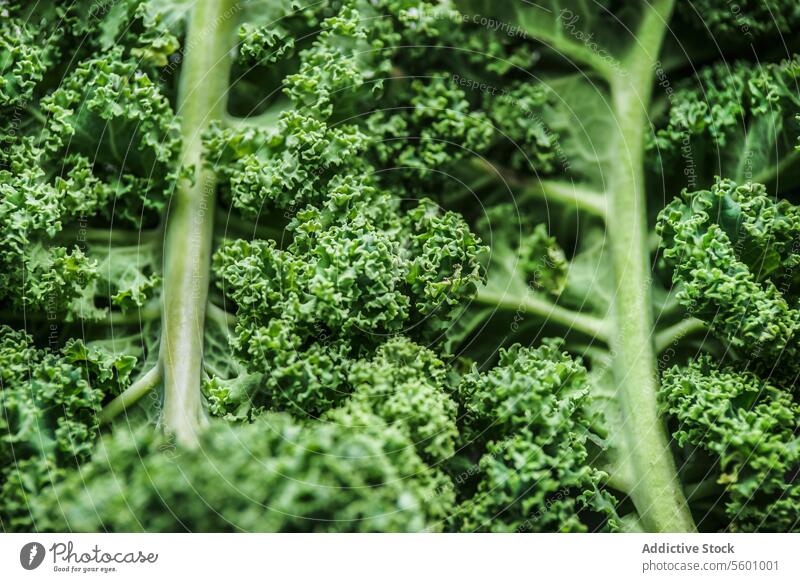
<point>735,253</point>
<point>275,475</point>
<point>750,427</point>
<point>49,405</point>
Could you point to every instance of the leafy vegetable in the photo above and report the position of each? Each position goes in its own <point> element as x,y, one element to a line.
<point>535,473</point>
<point>735,253</point>
<point>273,475</point>
<point>748,424</point>
<point>392,265</point>
<point>48,414</point>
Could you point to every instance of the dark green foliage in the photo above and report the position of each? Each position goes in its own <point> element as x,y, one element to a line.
<point>274,475</point>
<point>736,120</point>
<point>107,151</point>
<point>109,116</point>
<point>287,167</point>
<point>359,268</point>
<point>748,19</point>
<point>356,109</point>
<point>735,252</point>
<point>750,427</point>
<point>427,125</point>
<point>49,404</point>
<point>531,411</point>
<point>522,135</point>
<point>325,344</point>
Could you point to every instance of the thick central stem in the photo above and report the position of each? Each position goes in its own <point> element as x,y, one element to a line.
<point>655,489</point>
<point>202,98</point>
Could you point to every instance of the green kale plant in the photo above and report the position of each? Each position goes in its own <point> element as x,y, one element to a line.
<point>399,265</point>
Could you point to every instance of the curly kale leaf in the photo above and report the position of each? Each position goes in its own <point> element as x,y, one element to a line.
<point>406,386</point>
<point>289,166</point>
<point>428,124</point>
<point>148,31</point>
<point>544,261</point>
<point>117,136</point>
<point>268,35</point>
<point>529,252</point>
<point>735,252</point>
<point>274,475</point>
<point>102,147</point>
<point>522,134</point>
<point>127,277</point>
<point>22,63</point>
<point>49,405</point>
<point>750,427</point>
<point>343,57</point>
<point>734,120</point>
<point>358,269</point>
<point>535,474</point>
<point>353,110</point>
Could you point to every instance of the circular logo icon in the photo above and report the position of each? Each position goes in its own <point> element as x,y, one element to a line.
<point>31,555</point>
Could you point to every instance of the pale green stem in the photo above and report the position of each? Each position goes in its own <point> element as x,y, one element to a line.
<point>653,241</point>
<point>546,310</point>
<point>134,317</point>
<point>131,395</point>
<point>567,194</point>
<point>671,304</point>
<point>202,97</point>
<point>267,120</point>
<point>668,336</point>
<point>617,479</point>
<point>573,51</point>
<point>655,489</point>
<point>220,316</point>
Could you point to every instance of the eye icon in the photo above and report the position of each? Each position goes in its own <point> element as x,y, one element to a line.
<point>31,555</point>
